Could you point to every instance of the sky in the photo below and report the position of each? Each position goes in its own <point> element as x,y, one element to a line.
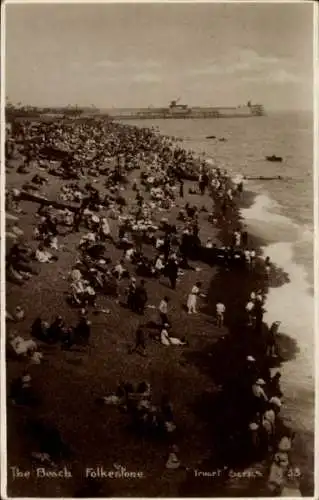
<point>135,55</point>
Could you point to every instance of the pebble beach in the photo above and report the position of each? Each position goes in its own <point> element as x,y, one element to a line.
<point>200,378</point>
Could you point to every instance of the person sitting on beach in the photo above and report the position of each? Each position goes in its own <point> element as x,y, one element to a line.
<point>51,242</point>
<point>38,329</point>
<point>87,239</point>
<point>159,243</point>
<point>119,270</point>
<point>167,340</point>
<point>21,390</point>
<point>95,278</point>
<point>144,267</point>
<point>177,341</point>
<point>209,243</point>
<point>129,254</point>
<point>55,330</point>
<point>144,390</point>
<point>159,265</point>
<point>82,293</point>
<point>52,224</point>
<point>43,256</point>
<point>105,231</point>
<point>82,331</point>
<point>22,347</point>
<point>68,218</point>
<point>78,291</point>
<point>192,298</point>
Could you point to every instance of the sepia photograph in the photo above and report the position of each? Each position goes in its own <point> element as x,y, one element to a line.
<point>158,333</point>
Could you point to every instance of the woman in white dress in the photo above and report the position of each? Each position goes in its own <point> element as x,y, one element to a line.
<point>192,298</point>
<point>105,231</point>
<point>164,336</point>
<point>167,340</point>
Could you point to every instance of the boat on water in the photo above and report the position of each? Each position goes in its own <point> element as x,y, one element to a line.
<point>274,158</point>
<point>183,111</point>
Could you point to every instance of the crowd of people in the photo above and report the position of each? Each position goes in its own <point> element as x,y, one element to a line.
<point>154,169</point>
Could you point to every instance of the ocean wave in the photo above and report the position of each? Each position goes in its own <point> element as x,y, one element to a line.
<point>282,252</point>
<point>290,248</point>
<point>276,226</point>
<point>263,210</point>
<point>294,306</point>
<point>292,302</point>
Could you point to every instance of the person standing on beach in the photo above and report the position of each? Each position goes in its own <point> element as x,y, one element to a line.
<point>131,296</point>
<point>259,313</point>
<point>159,265</point>
<point>201,184</point>
<point>249,309</point>
<point>172,271</point>
<point>139,198</point>
<point>220,312</point>
<point>78,217</point>
<point>140,297</point>
<point>163,310</point>
<point>271,339</point>
<point>181,188</point>
<point>244,238</point>
<point>252,259</point>
<point>237,238</point>
<point>267,266</point>
<point>140,346</point>
<point>167,246</point>
<point>259,395</point>
<point>192,298</point>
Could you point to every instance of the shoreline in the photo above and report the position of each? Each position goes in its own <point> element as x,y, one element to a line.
<point>281,278</point>
<point>238,296</point>
<point>287,343</point>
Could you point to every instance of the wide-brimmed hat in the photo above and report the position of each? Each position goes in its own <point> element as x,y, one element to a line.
<point>253,426</point>
<point>275,401</point>
<point>250,358</point>
<point>260,381</point>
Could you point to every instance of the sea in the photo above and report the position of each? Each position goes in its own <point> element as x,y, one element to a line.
<point>282,214</point>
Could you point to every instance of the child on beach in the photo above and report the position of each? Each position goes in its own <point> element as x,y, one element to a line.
<point>220,312</point>
<point>192,298</point>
